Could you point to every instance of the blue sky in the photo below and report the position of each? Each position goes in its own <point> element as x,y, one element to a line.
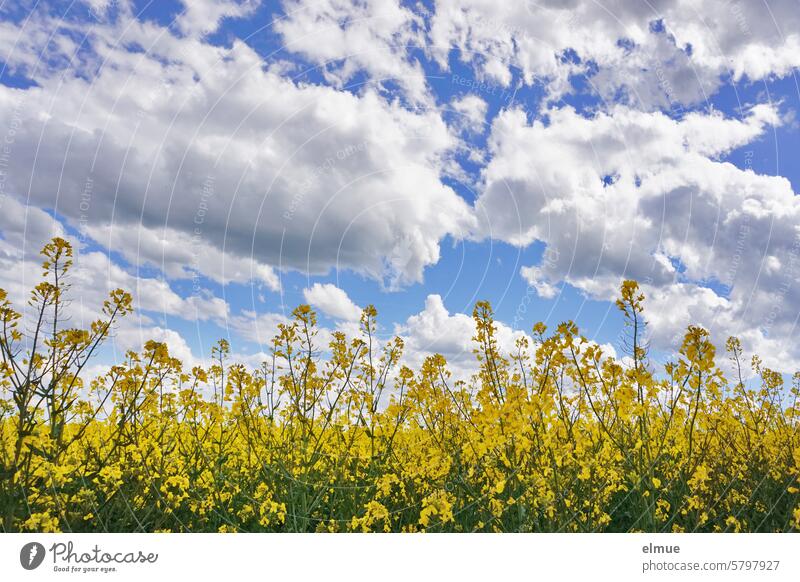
<point>231,160</point>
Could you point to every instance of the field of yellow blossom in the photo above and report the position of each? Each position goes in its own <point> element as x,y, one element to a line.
<point>555,437</point>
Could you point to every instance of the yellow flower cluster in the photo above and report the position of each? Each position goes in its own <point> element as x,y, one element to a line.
<point>556,436</point>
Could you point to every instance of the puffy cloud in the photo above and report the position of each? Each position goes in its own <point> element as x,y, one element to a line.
<point>471,110</point>
<point>26,229</point>
<point>149,294</point>
<point>258,327</point>
<point>658,54</point>
<point>434,330</point>
<point>201,17</point>
<point>195,140</point>
<point>586,165</point>
<point>345,37</point>
<point>763,321</point>
<point>640,195</point>
<point>133,338</point>
<point>536,278</point>
<point>181,256</point>
<point>332,301</point>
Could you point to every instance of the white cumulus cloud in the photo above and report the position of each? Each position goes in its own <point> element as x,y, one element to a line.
<point>332,301</point>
